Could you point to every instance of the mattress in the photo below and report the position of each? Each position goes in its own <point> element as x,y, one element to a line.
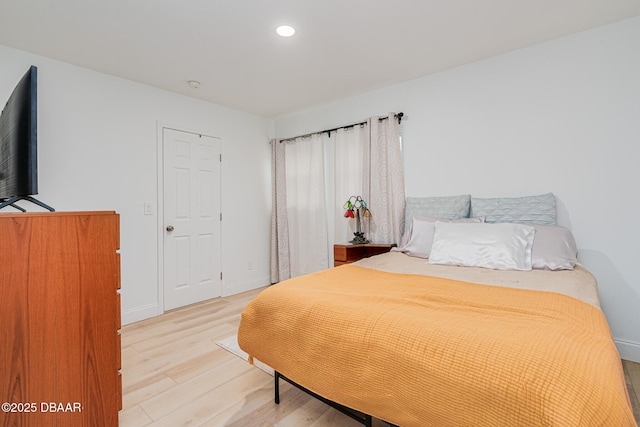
<point>577,283</point>
<point>419,345</point>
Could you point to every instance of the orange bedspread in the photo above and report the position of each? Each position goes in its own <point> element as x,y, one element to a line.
<point>424,351</point>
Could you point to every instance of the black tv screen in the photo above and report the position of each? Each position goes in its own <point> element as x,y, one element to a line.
<point>19,140</point>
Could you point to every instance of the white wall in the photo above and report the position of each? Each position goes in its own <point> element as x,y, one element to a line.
<point>97,150</point>
<point>561,117</point>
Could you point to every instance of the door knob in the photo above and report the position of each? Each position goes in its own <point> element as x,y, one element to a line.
<point>169,228</point>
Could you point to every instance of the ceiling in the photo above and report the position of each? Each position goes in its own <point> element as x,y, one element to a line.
<point>341,48</point>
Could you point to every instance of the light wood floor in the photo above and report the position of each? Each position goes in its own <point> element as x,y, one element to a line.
<point>173,374</point>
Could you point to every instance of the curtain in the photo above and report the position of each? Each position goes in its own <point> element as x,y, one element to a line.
<point>306,205</point>
<point>362,160</point>
<point>280,262</point>
<point>349,146</point>
<point>384,180</point>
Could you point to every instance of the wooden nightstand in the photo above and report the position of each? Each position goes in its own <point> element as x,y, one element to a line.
<point>346,254</point>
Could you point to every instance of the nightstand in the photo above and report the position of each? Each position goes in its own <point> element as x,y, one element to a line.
<point>346,254</point>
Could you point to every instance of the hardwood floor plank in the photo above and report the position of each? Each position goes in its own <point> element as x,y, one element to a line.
<point>134,416</point>
<point>284,414</point>
<point>335,419</point>
<point>199,410</point>
<point>198,365</point>
<point>147,390</point>
<point>185,393</point>
<point>152,366</point>
<point>235,414</point>
<point>632,375</point>
<point>132,334</point>
<point>182,338</point>
<point>175,375</point>
<point>307,411</point>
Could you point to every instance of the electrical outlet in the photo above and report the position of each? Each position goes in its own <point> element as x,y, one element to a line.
<point>250,265</point>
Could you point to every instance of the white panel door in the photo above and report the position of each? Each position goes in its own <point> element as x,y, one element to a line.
<point>191,218</point>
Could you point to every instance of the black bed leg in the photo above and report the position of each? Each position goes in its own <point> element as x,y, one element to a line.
<point>364,419</point>
<point>368,420</point>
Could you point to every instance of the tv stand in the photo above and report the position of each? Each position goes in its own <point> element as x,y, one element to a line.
<point>10,202</point>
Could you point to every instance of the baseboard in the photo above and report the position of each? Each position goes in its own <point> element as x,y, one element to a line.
<point>140,313</point>
<point>238,288</point>
<point>628,350</point>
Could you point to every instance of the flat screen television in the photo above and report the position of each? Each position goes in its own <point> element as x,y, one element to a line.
<point>19,144</point>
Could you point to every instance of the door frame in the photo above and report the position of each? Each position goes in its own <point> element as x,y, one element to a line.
<point>160,126</point>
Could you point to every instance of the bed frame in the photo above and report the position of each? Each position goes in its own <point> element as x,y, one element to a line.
<point>364,419</point>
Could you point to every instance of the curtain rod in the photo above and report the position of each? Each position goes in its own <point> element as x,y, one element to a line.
<point>328,131</point>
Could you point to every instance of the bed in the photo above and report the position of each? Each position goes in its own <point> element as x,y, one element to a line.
<point>436,340</point>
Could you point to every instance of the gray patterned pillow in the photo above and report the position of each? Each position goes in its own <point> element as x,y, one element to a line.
<point>540,209</point>
<point>451,207</point>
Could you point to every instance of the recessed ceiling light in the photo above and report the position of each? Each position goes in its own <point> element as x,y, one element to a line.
<point>285,31</point>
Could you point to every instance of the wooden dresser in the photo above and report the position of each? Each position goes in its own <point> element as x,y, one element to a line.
<point>60,319</point>
<point>347,253</point>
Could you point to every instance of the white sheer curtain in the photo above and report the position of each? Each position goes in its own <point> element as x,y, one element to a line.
<point>306,205</point>
<point>362,160</point>
<point>349,147</point>
<point>384,180</point>
<point>280,260</point>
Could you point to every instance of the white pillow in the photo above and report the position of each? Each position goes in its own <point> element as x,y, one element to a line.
<point>418,240</point>
<point>554,248</point>
<point>496,246</point>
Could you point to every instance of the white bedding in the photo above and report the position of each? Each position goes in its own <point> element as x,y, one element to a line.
<point>577,283</point>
